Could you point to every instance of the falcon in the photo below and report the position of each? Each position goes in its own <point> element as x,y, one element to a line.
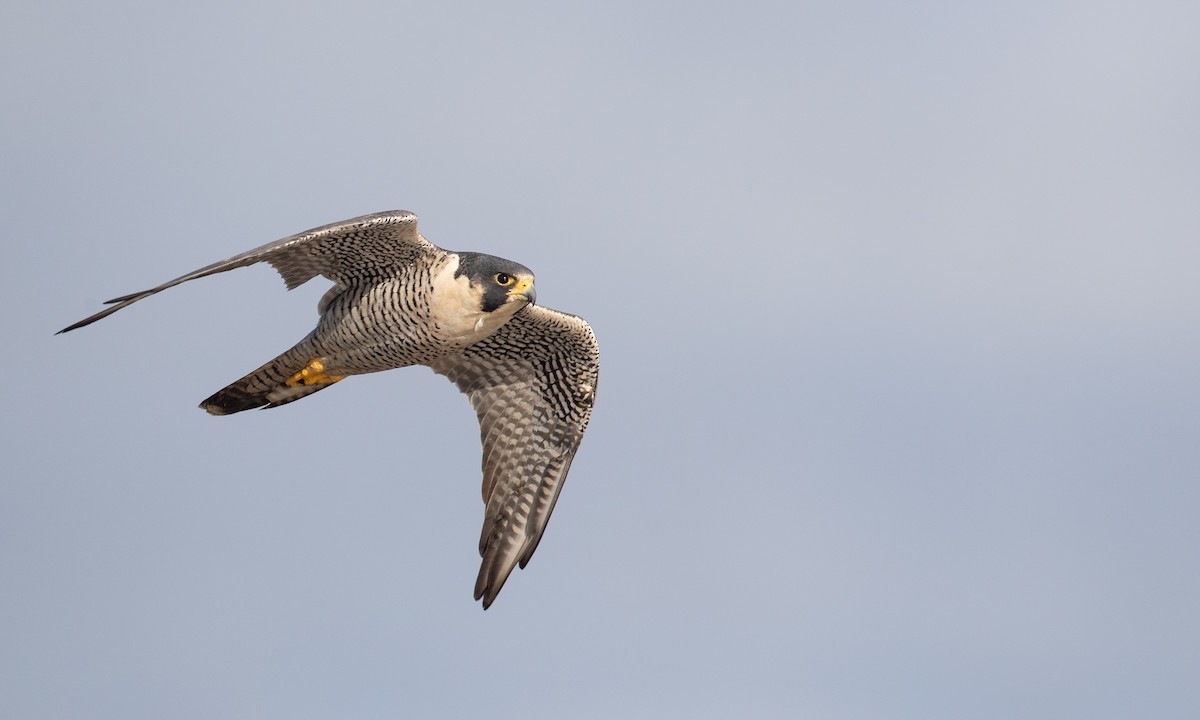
<point>399,300</point>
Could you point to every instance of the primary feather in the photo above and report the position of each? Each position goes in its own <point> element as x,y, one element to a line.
<point>398,300</point>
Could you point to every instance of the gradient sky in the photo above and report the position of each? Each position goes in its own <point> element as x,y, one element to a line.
<point>899,310</point>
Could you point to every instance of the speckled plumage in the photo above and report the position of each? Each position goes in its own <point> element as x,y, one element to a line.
<point>398,300</point>
<point>532,384</point>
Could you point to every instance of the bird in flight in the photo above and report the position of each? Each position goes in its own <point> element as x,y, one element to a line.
<point>399,300</point>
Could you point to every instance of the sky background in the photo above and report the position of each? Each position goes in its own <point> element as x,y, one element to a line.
<point>899,313</point>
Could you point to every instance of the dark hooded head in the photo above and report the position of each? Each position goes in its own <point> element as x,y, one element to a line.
<point>502,281</point>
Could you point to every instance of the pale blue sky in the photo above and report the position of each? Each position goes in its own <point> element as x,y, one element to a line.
<point>900,322</point>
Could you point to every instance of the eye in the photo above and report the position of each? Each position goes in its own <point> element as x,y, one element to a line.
<point>504,279</point>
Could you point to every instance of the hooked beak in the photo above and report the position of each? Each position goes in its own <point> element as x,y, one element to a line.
<point>524,290</point>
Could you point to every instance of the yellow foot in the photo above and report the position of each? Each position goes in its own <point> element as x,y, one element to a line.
<point>312,374</point>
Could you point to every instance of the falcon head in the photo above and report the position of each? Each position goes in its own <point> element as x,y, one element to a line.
<point>500,283</point>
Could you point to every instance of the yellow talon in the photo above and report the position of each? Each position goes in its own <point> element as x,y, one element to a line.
<point>313,374</point>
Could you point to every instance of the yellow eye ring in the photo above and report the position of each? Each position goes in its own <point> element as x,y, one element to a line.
<point>504,279</point>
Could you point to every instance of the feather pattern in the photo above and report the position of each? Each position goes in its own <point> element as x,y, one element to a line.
<point>362,248</point>
<point>532,384</point>
<point>398,300</point>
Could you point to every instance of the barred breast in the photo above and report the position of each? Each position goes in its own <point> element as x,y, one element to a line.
<point>413,319</point>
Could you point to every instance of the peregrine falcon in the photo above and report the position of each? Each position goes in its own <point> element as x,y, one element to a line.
<point>398,300</point>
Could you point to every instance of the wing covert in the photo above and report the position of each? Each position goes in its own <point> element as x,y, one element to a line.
<point>365,247</point>
<point>532,384</point>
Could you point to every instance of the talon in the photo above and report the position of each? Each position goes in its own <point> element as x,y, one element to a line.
<point>312,374</point>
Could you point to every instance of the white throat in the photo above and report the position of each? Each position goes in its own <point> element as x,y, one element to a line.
<point>454,306</point>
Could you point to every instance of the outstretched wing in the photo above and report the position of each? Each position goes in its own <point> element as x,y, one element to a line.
<point>532,384</point>
<point>370,246</point>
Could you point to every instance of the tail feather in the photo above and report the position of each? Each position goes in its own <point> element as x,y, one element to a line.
<point>283,380</point>
<point>236,398</point>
